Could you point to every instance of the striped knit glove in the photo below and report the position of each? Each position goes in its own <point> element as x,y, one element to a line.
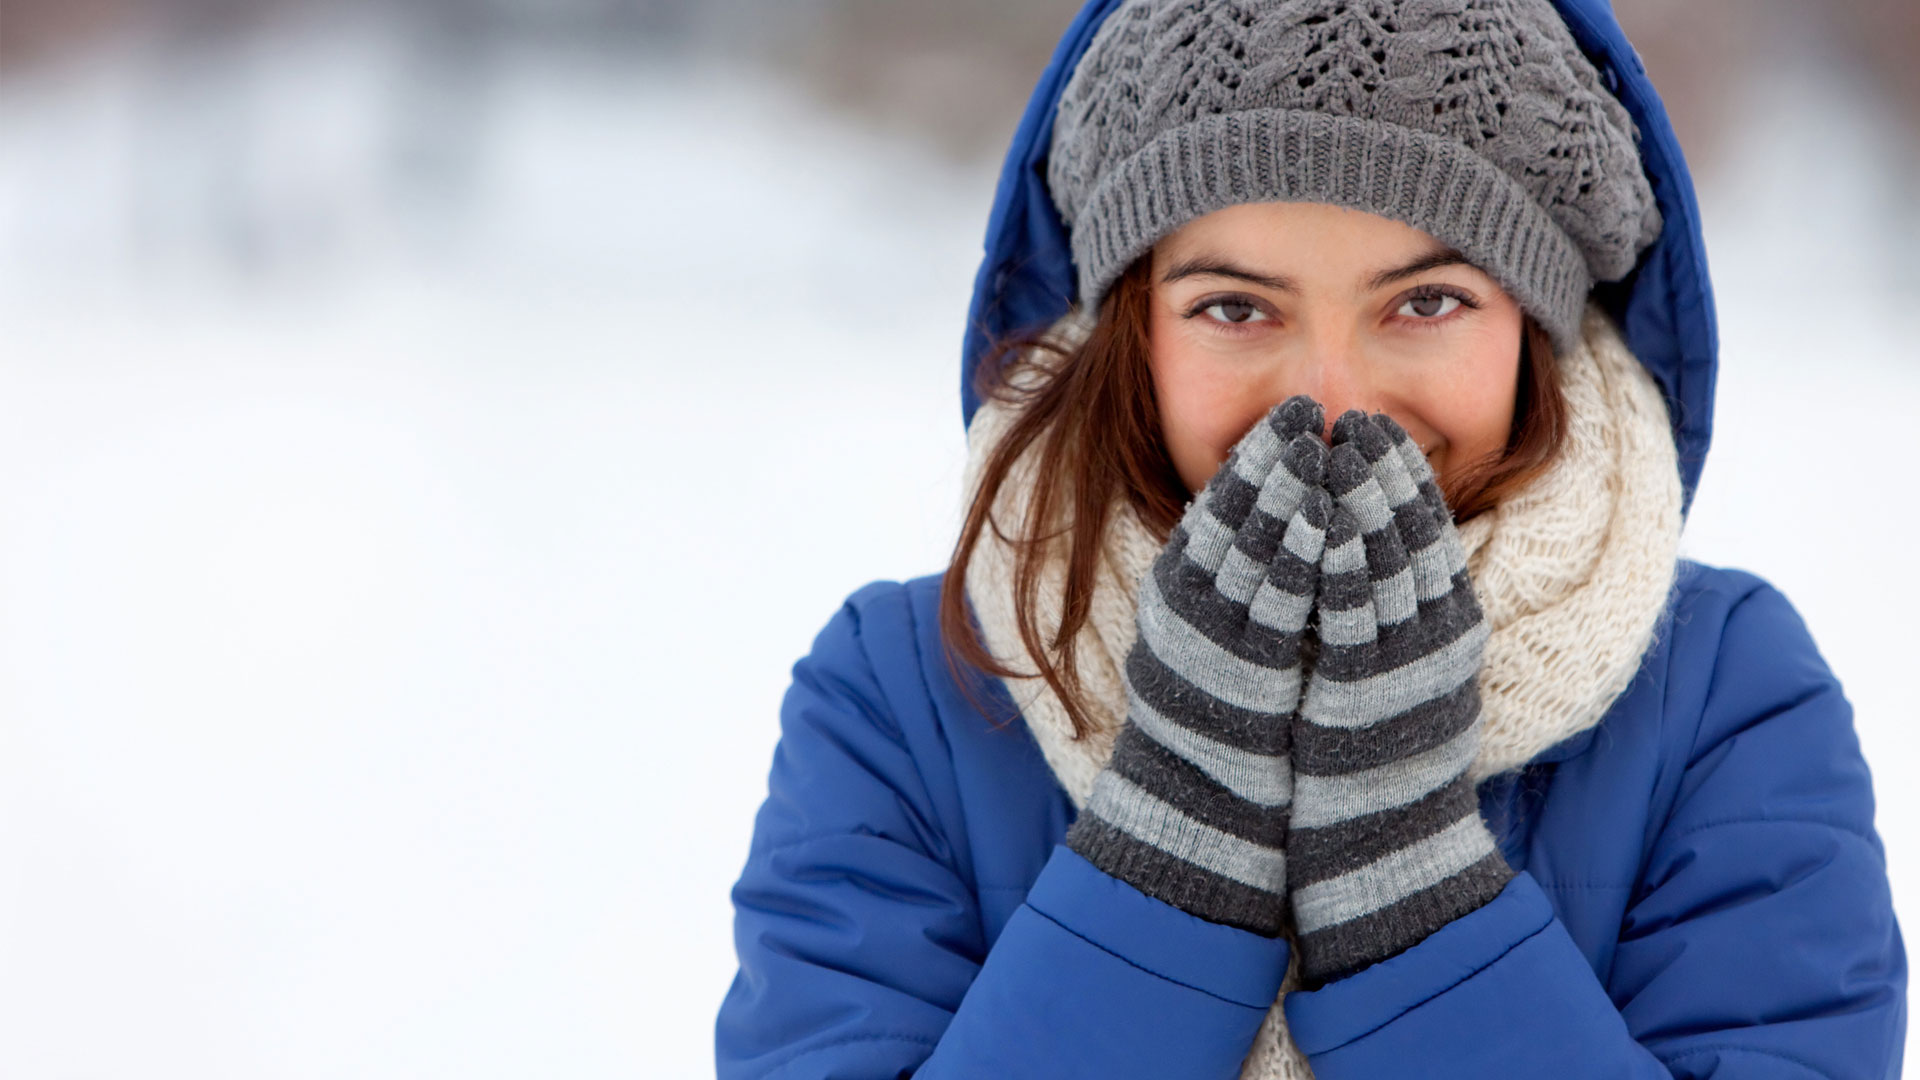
<point>1192,807</point>
<point>1387,844</point>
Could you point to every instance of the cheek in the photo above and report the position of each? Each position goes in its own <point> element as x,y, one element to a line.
<point>1205,407</point>
<point>1471,410</point>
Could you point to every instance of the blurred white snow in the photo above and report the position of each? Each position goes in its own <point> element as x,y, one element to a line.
<point>412,500</point>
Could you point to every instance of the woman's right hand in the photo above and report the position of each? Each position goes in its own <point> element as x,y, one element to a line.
<point>1192,808</point>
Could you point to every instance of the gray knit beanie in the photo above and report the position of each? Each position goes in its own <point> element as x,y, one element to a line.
<point>1478,122</point>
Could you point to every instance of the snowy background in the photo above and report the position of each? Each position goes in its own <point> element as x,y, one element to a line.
<point>425,447</point>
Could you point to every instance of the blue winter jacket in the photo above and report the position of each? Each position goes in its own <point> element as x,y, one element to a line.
<point>1700,891</point>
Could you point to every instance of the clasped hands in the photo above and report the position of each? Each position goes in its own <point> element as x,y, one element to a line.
<point>1302,707</point>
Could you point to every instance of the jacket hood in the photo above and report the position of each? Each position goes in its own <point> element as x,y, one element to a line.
<point>1664,308</point>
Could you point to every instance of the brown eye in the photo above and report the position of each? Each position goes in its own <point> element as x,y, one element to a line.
<point>1430,305</point>
<point>1234,311</point>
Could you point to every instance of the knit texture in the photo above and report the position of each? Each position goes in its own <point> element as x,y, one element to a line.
<point>1478,122</point>
<point>1572,575</point>
<point>1192,806</point>
<point>1387,843</point>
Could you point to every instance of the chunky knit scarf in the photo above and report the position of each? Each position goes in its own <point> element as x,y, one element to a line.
<point>1573,574</point>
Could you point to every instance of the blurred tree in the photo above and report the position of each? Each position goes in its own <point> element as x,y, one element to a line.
<point>1887,33</point>
<point>31,29</point>
<point>958,72</point>
<point>1696,51</point>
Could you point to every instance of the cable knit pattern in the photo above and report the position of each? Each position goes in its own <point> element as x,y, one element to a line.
<point>1572,574</point>
<point>1476,121</point>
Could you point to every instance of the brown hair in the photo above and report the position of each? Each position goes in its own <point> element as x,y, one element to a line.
<point>1093,412</point>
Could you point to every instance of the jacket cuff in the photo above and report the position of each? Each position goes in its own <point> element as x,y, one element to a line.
<point>1464,974</point>
<point>1226,962</point>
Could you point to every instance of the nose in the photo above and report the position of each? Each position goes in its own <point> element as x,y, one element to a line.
<point>1333,376</point>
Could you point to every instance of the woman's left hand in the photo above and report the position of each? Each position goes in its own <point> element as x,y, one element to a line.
<point>1386,844</point>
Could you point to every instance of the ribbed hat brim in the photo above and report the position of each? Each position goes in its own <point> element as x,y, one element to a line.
<point>1432,183</point>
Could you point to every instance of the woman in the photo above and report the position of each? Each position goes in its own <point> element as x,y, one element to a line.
<point>1346,710</point>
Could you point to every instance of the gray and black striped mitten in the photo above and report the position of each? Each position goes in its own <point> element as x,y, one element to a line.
<point>1387,844</point>
<point>1192,807</point>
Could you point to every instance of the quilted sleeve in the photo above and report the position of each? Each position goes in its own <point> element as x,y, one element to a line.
<point>1761,941</point>
<point>860,944</point>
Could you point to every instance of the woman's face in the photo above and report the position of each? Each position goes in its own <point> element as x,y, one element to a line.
<point>1258,302</point>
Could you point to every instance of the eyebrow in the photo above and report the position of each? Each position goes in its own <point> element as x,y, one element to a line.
<point>1213,266</point>
<point>1218,267</point>
<point>1432,260</point>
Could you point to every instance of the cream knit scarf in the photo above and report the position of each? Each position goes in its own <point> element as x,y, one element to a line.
<point>1573,574</point>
